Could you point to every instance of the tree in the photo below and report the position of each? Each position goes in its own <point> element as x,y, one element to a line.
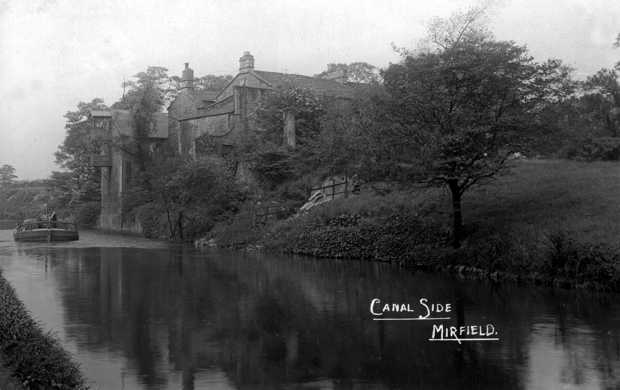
<point>322,143</point>
<point>355,72</point>
<point>212,82</point>
<point>7,176</point>
<point>189,196</point>
<point>147,94</point>
<point>602,100</point>
<point>460,108</point>
<point>74,154</point>
<point>154,82</point>
<point>266,150</point>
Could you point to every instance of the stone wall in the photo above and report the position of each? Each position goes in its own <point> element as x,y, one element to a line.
<point>111,217</point>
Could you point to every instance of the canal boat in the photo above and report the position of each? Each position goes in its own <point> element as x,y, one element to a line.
<point>32,230</point>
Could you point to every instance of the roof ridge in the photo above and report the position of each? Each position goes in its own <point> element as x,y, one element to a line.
<point>292,74</point>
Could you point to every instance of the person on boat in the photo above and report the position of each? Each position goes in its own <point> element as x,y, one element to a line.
<point>53,219</point>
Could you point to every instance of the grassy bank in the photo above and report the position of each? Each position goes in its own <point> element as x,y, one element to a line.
<point>550,221</point>
<point>35,359</point>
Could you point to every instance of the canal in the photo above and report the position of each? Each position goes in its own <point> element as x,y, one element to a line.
<point>138,314</point>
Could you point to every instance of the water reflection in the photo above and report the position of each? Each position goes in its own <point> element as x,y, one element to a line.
<point>171,318</point>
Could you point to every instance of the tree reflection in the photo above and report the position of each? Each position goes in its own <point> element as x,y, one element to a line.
<point>177,315</point>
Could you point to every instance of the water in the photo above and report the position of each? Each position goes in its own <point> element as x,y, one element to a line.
<point>139,314</point>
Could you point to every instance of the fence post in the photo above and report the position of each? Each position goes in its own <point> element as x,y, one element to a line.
<point>333,188</point>
<point>346,187</point>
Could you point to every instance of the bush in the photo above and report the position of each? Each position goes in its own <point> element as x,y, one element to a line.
<point>151,220</point>
<point>36,359</point>
<point>496,251</point>
<point>365,227</point>
<point>601,148</point>
<point>87,214</point>
<point>582,262</point>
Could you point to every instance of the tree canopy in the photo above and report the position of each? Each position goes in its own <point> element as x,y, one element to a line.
<point>355,72</point>
<point>460,107</point>
<point>7,175</point>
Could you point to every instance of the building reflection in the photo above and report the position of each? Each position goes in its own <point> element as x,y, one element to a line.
<point>177,318</point>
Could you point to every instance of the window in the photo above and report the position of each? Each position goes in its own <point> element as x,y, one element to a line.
<point>126,175</point>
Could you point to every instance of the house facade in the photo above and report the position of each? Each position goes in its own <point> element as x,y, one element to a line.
<point>222,116</point>
<point>225,115</point>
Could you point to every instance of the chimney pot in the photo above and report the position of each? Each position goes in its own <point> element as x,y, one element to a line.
<point>187,79</point>
<point>246,62</point>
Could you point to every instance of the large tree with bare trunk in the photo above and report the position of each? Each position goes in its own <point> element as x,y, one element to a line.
<point>463,103</point>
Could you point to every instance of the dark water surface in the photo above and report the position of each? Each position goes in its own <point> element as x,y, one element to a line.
<point>139,314</point>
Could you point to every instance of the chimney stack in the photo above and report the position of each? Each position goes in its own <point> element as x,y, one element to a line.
<point>246,62</point>
<point>187,79</point>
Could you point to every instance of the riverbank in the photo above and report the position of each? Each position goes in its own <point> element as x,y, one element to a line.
<point>549,222</point>
<point>33,358</point>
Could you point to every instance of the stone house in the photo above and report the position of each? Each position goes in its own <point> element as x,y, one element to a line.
<point>221,115</point>
<point>225,115</point>
<point>117,162</point>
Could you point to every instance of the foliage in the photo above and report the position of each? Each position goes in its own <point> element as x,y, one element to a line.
<point>513,226</point>
<point>265,151</point>
<point>355,72</point>
<point>212,82</point>
<point>29,198</point>
<point>592,114</point>
<point>153,88</point>
<point>7,176</point>
<point>459,110</point>
<point>325,138</point>
<point>36,358</point>
<point>366,227</point>
<point>206,82</point>
<point>601,102</point>
<point>582,262</point>
<point>591,149</point>
<point>186,196</point>
<point>80,182</point>
<point>74,154</point>
<point>87,214</point>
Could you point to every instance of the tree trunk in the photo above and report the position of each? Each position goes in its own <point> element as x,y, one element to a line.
<point>170,224</point>
<point>180,225</point>
<point>457,215</point>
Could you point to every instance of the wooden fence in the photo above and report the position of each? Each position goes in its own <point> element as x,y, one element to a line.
<point>335,188</point>
<point>244,227</point>
<point>262,213</point>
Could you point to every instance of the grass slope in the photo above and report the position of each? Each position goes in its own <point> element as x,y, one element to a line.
<point>539,196</point>
<point>557,220</point>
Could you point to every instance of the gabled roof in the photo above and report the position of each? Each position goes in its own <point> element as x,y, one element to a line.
<point>315,84</point>
<point>192,101</point>
<point>271,80</point>
<point>208,95</point>
<point>225,106</point>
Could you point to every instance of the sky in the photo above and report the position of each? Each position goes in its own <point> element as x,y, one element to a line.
<point>56,53</point>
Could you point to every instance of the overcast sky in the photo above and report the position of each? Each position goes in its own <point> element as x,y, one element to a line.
<point>55,53</point>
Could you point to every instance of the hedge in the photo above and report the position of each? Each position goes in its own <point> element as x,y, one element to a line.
<point>35,358</point>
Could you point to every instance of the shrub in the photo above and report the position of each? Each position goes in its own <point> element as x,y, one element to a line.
<point>601,148</point>
<point>496,251</point>
<point>151,217</point>
<point>365,227</point>
<point>569,258</point>
<point>88,214</point>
